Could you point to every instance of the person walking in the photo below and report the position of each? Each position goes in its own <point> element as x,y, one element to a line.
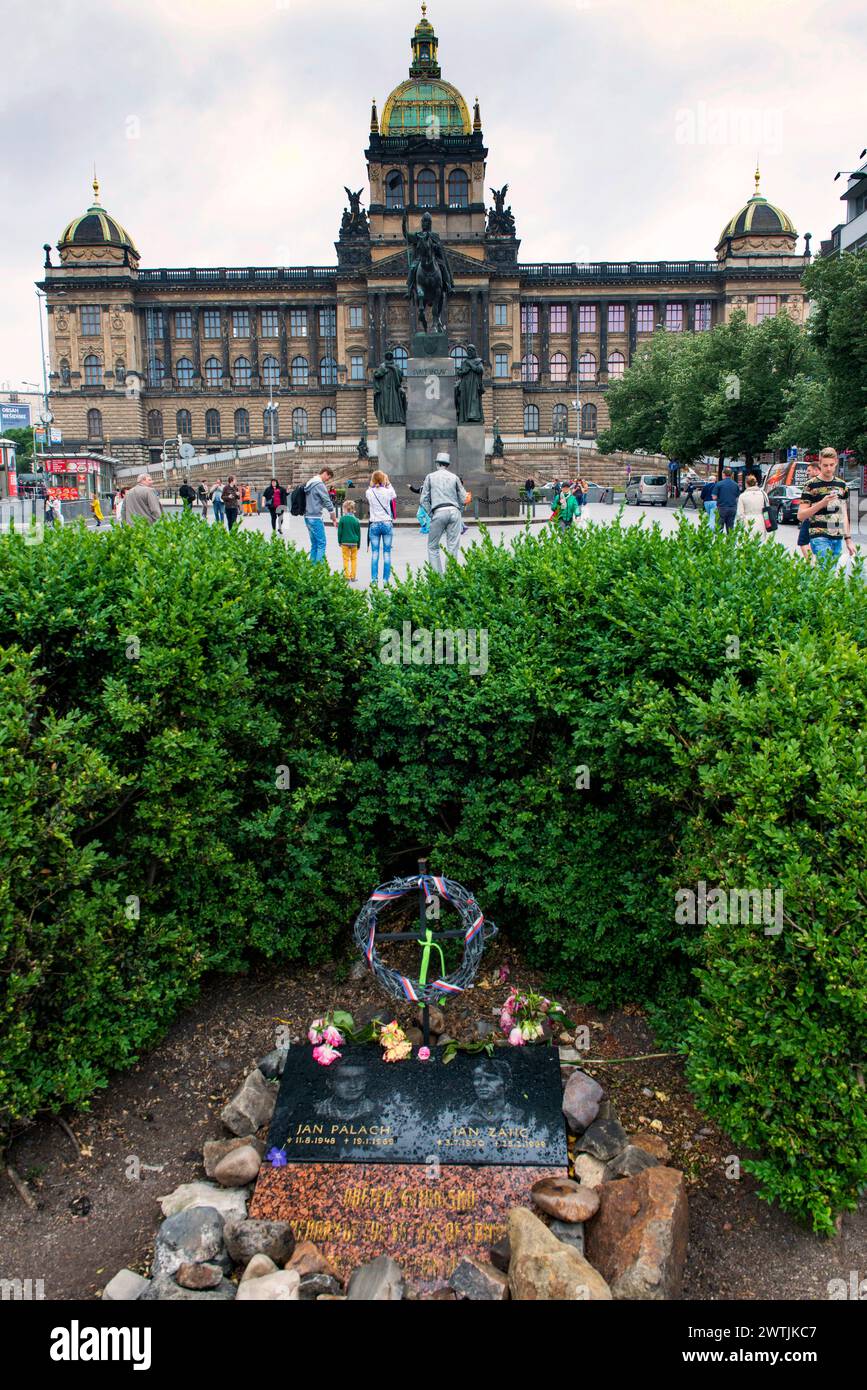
<point>349,539</point>
<point>97,510</point>
<point>54,512</point>
<point>381,507</point>
<point>217,502</point>
<point>751,507</point>
<point>118,505</point>
<point>316,500</point>
<point>274,499</point>
<point>443,497</point>
<point>825,505</point>
<point>231,500</point>
<point>141,502</point>
<point>568,508</point>
<point>708,501</point>
<point>202,495</point>
<point>187,494</point>
<point>579,492</point>
<point>804,526</point>
<point>727,493</point>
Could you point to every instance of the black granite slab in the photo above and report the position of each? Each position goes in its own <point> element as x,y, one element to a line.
<point>476,1109</point>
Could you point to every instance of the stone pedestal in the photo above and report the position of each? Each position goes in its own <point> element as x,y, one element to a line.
<point>431,424</point>
<point>391,457</point>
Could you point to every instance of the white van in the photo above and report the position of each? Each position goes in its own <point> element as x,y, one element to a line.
<point>648,487</point>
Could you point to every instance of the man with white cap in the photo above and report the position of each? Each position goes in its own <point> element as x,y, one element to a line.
<point>443,496</point>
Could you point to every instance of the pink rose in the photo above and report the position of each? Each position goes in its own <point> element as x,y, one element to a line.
<point>423,1054</point>
<point>516,1038</point>
<point>325,1054</point>
<point>507,1021</point>
<point>314,1032</point>
<point>333,1036</point>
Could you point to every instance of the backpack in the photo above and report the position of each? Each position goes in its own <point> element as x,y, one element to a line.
<point>298,500</point>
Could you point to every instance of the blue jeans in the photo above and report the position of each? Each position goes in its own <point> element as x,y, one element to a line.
<point>710,507</point>
<point>827,549</point>
<point>316,530</point>
<point>380,531</point>
<point>219,511</point>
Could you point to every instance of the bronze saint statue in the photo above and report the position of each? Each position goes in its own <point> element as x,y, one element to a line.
<point>469,389</point>
<point>389,397</point>
<point>430,279</point>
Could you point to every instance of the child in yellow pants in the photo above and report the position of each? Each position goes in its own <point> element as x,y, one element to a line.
<point>349,539</point>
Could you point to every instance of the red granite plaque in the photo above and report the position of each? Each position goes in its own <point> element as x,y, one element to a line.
<point>427,1217</point>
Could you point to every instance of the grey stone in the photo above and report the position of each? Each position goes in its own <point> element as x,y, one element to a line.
<point>272,1064</point>
<point>315,1285</point>
<point>215,1150</point>
<point>252,1107</point>
<point>479,1281</point>
<point>629,1163</point>
<point>239,1167</point>
<point>230,1202</point>
<point>125,1287</point>
<point>244,1239</point>
<point>589,1171</point>
<point>391,457</point>
<point>570,1232</point>
<point>165,1290</point>
<point>471,450</point>
<point>281,1287</point>
<point>581,1101</point>
<point>192,1236</point>
<point>604,1139</point>
<point>379,1281</point>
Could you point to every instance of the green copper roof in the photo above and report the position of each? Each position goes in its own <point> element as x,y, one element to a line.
<point>414,106</point>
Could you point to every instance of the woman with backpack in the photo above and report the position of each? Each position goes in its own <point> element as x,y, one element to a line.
<point>231,500</point>
<point>381,508</point>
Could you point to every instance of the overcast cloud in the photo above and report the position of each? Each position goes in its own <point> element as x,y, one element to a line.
<point>223,133</point>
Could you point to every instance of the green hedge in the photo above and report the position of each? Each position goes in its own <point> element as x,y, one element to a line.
<point>713,689</point>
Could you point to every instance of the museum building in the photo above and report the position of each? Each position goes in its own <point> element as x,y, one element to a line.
<point>225,357</point>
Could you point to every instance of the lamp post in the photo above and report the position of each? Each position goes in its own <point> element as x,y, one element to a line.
<point>271,416</point>
<point>577,405</point>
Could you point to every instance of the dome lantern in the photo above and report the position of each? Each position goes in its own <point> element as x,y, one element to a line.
<point>757,218</point>
<point>96,235</point>
<point>425,104</point>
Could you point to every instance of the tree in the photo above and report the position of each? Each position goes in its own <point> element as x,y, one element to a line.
<point>23,441</point>
<point>837,288</point>
<point>808,422</point>
<point>639,404</point>
<point>747,405</point>
<point>709,365</point>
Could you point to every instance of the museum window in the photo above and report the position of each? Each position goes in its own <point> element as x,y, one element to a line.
<point>212,323</point>
<point>674,318</point>
<point>531,419</point>
<point>91,320</point>
<point>529,318</point>
<point>183,324</point>
<point>270,371</point>
<point>616,318</point>
<point>616,364</point>
<point>300,371</point>
<point>426,190</point>
<point>156,372</point>
<point>401,357</point>
<point>559,367</point>
<point>394,189</point>
<point>559,318</point>
<point>243,372</point>
<point>560,419</point>
<point>154,327</point>
<point>242,424</point>
<point>155,424</point>
<point>766,307</point>
<point>587,318</point>
<point>328,372</point>
<point>328,323</point>
<point>185,371</point>
<point>297,323</point>
<point>271,416</point>
<point>213,371</point>
<point>212,424</point>
<point>459,189</point>
<point>183,422</point>
<point>588,419</point>
<point>356,367</point>
<point>702,316</point>
<point>644,318</point>
<point>92,371</point>
<point>501,364</point>
<point>587,367</point>
<point>501,315</point>
<point>530,367</point>
<point>240,323</point>
<point>94,424</point>
<point>328,421</point>
<point>458,354</point>
<point>356,316</point>
<point>270,323</point>
<point>299,423</point>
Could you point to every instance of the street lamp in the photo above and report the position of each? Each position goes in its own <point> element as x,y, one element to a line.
<point>577,404</point>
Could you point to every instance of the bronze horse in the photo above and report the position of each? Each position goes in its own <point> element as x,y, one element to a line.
<point>429,286</point>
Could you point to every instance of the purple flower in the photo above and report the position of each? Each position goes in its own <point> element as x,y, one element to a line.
<point>277,1158</point>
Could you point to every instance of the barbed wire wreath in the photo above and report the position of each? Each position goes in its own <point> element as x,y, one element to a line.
<point>477,930</point>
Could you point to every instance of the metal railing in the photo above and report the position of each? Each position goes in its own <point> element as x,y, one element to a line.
<point>594,270</point>
<point>196,274</point>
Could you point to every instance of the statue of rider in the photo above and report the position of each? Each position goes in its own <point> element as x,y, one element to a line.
<point>413,241</point>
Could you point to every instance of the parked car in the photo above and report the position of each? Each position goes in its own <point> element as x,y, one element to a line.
<point>648,487</point>
<point>785,498</point>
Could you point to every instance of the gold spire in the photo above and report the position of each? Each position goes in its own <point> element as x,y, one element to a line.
<point>477,116</point>
<point>757,178</point>
<point>423,9</point>
<point>374,119</point>
<point>95,186</point>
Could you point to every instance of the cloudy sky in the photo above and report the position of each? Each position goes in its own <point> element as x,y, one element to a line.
<point>223,132</point>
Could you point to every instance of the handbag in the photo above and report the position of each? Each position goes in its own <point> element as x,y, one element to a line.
<point>770,517</point>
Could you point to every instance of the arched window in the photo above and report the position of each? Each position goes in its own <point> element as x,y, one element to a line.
<point>183,422</point>
<point>531,419</point>
<point>212,424</point>
<point>271,371</point>
<point>328,420</point>
<point>213,371</point>
<point>243,371</point>
<point>559,367</point>
<point>530,368</point>
<point>155,424</point>
<point>271,416</point>
<point>299,423</point>
<point>300,371</point>
<point>459,189</point>
<point>328,372</point>
<point>426,191</point>
<point>616,364</point>
<point>155,372</point>
<point>560,419</point>
<point>394,189</point>
<point>92,370</point>
<point>588,419</point>
<point>587,366</point>
<point>242,423</point>
<point>185,371</point>
<point>458,355</point>
<point>94,424</point>
<point>401,357</point>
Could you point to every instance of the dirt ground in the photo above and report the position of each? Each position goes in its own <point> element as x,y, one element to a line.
<point>96,1211</point>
